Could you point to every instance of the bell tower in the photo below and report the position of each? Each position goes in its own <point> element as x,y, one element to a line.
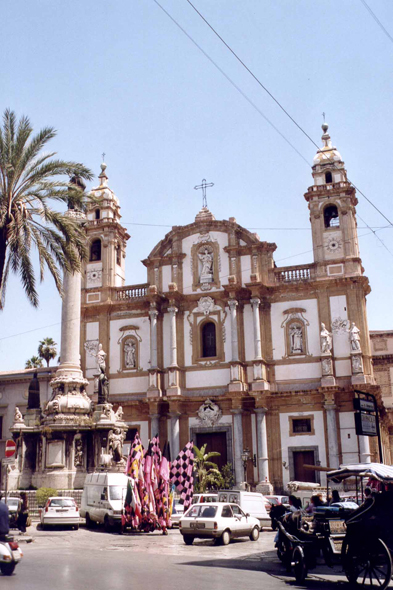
<point>106,238</point>
<point>332,201</point>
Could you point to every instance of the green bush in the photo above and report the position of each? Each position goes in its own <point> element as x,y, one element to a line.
<point>42,495</point>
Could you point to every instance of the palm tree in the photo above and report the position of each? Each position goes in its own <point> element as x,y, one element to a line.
<point>29,179</point>
<point>34,363</point>
<point>208,475</point>
<point>47,350</point>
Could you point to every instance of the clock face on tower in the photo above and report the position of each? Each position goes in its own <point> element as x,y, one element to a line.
<point>333,244</point>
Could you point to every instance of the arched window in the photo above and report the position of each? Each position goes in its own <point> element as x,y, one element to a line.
<point>95,250</point>
<point>97,213</point>
<point>331,217</point>
<point>328,177</point>
<point>208,340</point>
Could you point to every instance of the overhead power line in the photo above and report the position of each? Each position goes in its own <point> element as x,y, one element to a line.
<point>275,99</point>
<point>222,276</point>
<point>374,16</point>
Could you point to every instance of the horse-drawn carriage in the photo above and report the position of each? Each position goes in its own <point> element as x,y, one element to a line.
<point>361,539</point>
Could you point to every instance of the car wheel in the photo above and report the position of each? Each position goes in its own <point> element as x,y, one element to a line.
<point>225,538</point>
<point>107,524</point>
<point>75,527</point>
<point>42,526</point>
<point>254,536</point>
<point>188,539</point>
<point>89,522</point>
<point>7,569</point>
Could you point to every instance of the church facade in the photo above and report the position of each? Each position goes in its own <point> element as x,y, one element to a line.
<point>223,347</point>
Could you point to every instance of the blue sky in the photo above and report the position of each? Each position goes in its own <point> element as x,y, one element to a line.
<point>121,78</point>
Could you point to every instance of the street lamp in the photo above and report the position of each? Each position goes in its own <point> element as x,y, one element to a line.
<point>245,457</point>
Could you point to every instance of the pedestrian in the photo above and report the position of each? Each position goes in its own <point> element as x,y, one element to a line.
<point>335,497</point>
<point>23,513</point>
<point>4,520</point>
<point>315,502</point>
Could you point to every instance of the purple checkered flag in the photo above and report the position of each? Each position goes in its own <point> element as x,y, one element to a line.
<point>181,474</point>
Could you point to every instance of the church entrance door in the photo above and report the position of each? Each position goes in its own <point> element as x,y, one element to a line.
<point>301,458</point>
<point>215,441</point>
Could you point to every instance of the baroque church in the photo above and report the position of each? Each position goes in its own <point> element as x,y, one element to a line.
<point>221,346</point>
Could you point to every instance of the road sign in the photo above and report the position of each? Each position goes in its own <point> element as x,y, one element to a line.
<point>366,424</point>
<point>10,448</point>
<point>363,404</point>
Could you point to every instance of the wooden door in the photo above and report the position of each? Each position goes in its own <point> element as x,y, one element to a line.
<point>301,458</point>
<point>215,441</point>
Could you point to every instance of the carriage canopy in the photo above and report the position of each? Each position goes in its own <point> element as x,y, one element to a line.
<point>378,471</point>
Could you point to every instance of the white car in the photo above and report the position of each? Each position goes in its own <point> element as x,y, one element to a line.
<point>60,510</point>
<point>177,512</point>
<point>218,520</point>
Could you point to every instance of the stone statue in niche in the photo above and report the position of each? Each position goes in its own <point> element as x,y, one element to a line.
<point>130,354</point>
<point>205,255</point>
<point>296,339</point>
<point>354,338</point>
<point>116,439</point>
<point>326,340</point>
<point>327,366</point>
<point>78,461</point>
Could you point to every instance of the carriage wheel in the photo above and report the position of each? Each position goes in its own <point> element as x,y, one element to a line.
<point>367,565</point>
<point>299,564</point>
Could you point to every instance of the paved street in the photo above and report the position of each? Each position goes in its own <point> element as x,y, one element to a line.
<point>72,560</point>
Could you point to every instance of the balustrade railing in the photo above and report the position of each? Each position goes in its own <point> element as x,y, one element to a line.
<point>294,274</point>
<point>132,292</point>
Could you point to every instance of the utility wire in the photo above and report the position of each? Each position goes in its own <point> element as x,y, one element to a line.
<point>232,82</point>
<point>374,16</point>
<point>273,98</point>
<point>184,289</point>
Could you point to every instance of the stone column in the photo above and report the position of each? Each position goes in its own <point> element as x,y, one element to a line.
<point>263,460</point>
<point>154,424</point>
<point>173,344</point>
<point>364,449</point>
<point>175,434</point>
<point>332,434</point>
<point>238,445</point>
<point>153,313</point>
<point>70,324</point>
<point>255,302</point>
<point>232,303</point>
<point>259,369</point>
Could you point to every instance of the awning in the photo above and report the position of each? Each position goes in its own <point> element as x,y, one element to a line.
<point>378,471</point>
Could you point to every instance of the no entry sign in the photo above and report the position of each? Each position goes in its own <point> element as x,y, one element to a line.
<point>10,448</point>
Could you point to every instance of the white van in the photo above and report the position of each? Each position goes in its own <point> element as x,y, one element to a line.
<point>103,498</point>
<point>252,503</point>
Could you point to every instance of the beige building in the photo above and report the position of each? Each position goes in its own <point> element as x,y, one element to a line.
<point>223,347</point>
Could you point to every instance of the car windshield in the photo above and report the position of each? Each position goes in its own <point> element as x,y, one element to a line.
<point>202,511</point>
<point>63,502</point>
<point>12,502</point>
<point>273,501</point>
<point>116,492</point>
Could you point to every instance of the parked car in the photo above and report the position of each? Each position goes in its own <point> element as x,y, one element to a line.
<point>177,512</point>
<point>252,503</point>
<point>60,510</point>
<point>13,504</point>
<point>207,497</point>
<point>103,499</point>
<point>218,521</point>
<point>275,500</point>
